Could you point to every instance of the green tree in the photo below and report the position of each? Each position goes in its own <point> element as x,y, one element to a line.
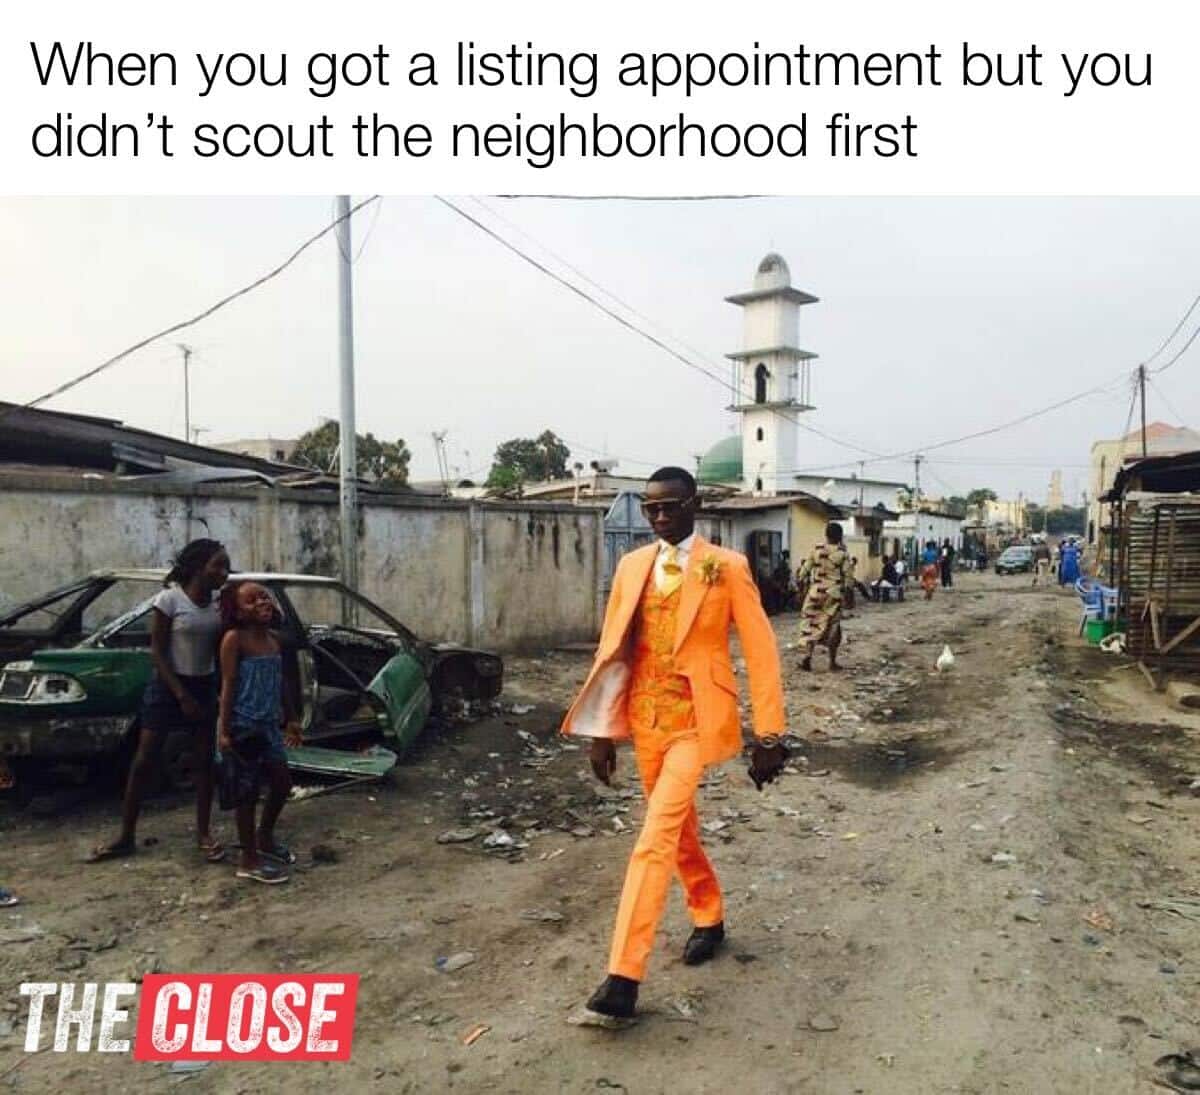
<point>980,495</point>
<point>1037,517</point>
<point>1067,519</point>
<point>383,461</point>
<point>529,459</point>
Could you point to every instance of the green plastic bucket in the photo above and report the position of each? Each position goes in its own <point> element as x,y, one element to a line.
<point>1097,630</point>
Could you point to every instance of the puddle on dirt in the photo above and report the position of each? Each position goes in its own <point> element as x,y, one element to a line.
<point>880,765</point>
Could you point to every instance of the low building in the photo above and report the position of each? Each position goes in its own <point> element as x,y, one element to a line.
<point>1154,505</point>
<point>1109,457</point>
<point>907,534</point>
<point>277,449</point>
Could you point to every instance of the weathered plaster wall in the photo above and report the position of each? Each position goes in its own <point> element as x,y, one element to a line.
<point>507,576</point>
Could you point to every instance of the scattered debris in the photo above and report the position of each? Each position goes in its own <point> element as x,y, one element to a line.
<point>585,1017</point>
<point>822,1022</point>
<point>1003,858</point>
<point>687,1006</point>
<point>543,916</point>
<point>1100,920</point>
<point>21,935</point>
<point>499,839</point>
<point>187,1068</point>
<point>475,1033</point>
<point>455,962</point>
<point>1188,908</point>
<point>458,836</point>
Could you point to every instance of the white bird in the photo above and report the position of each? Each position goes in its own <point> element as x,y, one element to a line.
<point>945,659</point>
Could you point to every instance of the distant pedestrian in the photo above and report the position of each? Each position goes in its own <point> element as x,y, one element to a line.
<point>946,563</point>
<point>8,899</point>
<point>1068,565</point>
<point>185,625</point>
<point>827,573</point>
<point>930,568</point>
<point>250,728</point>
<point>1041,563</point>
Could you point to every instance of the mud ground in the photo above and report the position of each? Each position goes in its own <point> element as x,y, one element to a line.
<point>875,944</point>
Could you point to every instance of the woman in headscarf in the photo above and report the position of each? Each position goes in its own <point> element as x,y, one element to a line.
<point>827,573</point>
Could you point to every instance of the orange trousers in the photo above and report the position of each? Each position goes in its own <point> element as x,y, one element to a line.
<point>669,844</point>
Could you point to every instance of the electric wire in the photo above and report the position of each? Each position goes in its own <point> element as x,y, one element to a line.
<point>654,339</point>
<point>184,324</point>
<point>1178,327</point>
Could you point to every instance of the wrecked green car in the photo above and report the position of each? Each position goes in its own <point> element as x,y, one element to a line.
<point>76,660</point>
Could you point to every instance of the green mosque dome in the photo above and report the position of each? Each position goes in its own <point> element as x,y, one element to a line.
<point>722,463</point>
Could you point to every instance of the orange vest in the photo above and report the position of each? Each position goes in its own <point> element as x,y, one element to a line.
<point>660,698</point>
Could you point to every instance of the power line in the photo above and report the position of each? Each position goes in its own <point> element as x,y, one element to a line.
<point>1183,350</point>
<point>1178,327</point>
<point>1163,396</point>
<point>196,318</point>
<point>633,326</point>
<point>634,197</point>
<point>595,284</point>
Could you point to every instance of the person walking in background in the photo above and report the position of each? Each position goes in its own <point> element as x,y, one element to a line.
<point>946,563</point>
<point>826,573</point>
<point>1041,563</point>
<point>1068,564</point>
<point>663,678</point>
<point>930,568</point>
<point>185,626</point>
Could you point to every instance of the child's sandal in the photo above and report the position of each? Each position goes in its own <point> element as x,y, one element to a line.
<point>212,850</point>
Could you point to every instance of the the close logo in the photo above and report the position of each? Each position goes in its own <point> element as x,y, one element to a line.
<point>204,1017</point>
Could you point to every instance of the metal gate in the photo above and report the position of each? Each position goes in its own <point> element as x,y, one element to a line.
<point>624,529</point>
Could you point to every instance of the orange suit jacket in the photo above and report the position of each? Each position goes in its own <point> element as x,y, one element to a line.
<point>701,653</point>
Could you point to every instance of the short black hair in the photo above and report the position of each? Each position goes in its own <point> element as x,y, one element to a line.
<point>833,532</point>
<point>674,475</point>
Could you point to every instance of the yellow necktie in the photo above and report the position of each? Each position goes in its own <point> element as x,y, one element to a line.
<point>672,572</point>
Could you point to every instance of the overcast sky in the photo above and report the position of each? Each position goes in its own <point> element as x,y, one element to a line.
<point>937,317</point>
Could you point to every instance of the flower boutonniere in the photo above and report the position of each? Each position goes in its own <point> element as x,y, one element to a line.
<point>710,569</point>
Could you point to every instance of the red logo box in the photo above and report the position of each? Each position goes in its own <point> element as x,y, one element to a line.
<point>246,1017</point>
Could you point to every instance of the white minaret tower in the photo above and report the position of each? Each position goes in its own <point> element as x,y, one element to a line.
<point>770,376</point>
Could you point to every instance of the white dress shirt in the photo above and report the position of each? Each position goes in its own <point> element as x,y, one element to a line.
<point>684,549</point>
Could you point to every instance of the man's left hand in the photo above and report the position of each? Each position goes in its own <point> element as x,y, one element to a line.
<point>766,762</point>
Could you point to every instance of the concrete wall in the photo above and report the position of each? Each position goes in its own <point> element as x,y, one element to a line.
<point>508,576</point>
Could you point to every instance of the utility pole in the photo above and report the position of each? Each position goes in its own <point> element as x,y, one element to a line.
<point>439,448</point>
<point>187,396</point>
<point>917,510</point>
<point>348,470</point>
<point>1142,386</point>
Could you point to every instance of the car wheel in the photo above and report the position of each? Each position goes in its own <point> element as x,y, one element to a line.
<point>177,762</point>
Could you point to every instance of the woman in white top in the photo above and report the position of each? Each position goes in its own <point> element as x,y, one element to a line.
<point>185,631</point>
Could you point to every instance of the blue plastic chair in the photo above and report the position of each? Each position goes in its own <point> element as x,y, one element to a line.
<point>1099,601</point>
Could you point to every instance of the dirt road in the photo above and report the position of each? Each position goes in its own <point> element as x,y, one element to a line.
<point>944,894</point>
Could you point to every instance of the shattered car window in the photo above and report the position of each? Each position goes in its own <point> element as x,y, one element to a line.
<point>326,607</point>
<point>117,602</point>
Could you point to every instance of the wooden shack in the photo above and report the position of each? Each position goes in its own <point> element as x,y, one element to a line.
<point>1156,560</point>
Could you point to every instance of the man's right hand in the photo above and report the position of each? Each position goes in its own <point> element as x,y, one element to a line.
<point>604,759</point>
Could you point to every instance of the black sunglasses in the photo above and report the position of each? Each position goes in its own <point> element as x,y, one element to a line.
<point>668,508</point>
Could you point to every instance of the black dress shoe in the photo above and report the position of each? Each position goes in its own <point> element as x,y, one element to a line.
<point>702,944</point>
<point>616,996</point>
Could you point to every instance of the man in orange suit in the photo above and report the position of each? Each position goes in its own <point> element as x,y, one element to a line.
<point>663,679</point>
